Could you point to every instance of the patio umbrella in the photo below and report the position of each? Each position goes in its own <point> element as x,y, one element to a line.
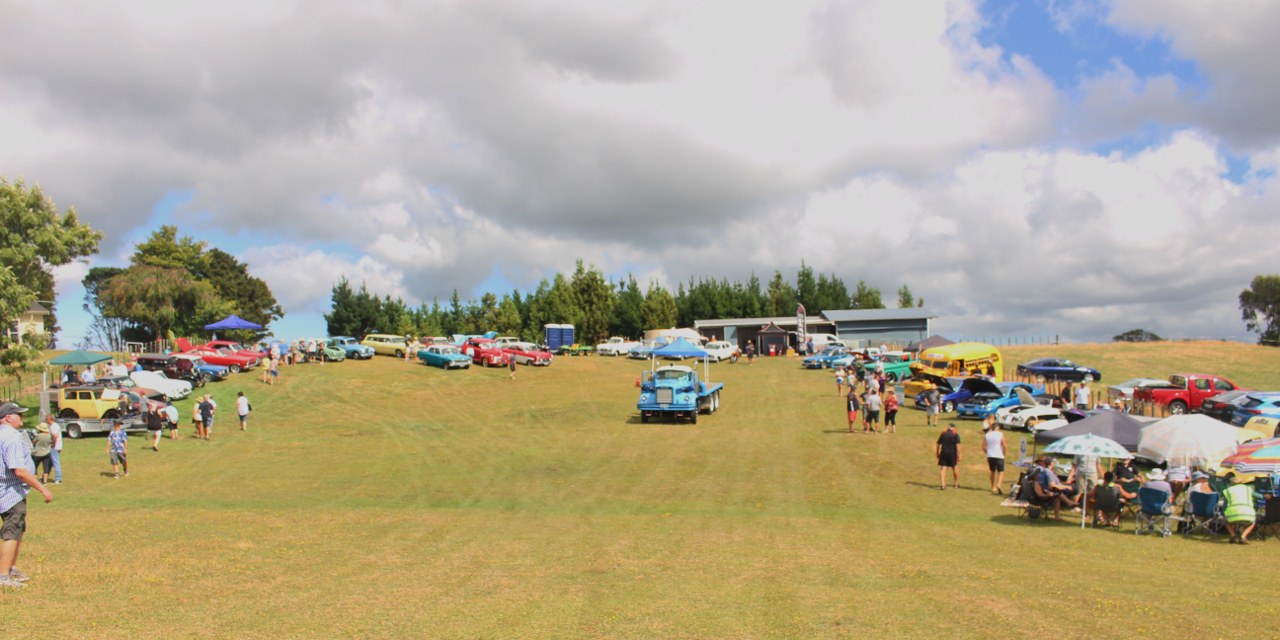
<point>1264,459</point>
<point>80,357</point>
<point>1189,439</point>
<point>1088,445</point>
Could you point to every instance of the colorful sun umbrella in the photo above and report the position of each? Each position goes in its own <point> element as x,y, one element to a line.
<point>1189,439</point>
<point>1088,445</point>
<point>1256,460</point>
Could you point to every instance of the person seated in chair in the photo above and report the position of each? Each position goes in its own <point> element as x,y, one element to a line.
<point>1157,480</point>
<point>1106,515</point>
<point>1240,512</point>
<point>1127,471</point>
<point>1051,491</point>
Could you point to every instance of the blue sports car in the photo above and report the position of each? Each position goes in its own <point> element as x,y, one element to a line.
<point>989,397</point>
<point>1058,369</point>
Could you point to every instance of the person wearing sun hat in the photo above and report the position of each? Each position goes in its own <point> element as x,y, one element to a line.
<point>18,477</point>
<point>1239,511</point>
<point>1156,479</point>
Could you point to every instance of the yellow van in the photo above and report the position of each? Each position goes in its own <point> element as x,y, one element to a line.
<point>961,359</point>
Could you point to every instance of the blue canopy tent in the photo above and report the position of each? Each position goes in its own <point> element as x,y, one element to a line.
<point>232,321</point>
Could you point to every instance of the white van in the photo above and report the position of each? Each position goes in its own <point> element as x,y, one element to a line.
<point>822,340</point>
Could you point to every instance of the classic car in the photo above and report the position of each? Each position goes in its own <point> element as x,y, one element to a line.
<point>484,352</point>
<point>213,372</point>
<point>235,347</point>
<point>989,397</point>
<point>527,353</point>
<point>385,344</point>
<point>233,361</point>
<point>1223,406</point>
<point>93,401</point>
<point>173,367</point>
<point>833,356</point>
<point>129,384</point>
<point>1028,413</point>
<point>174,389</point>
<point>718,350</point>
<point>616,346</point>
<point>1266,405</point>
<point>1058,369</point>
<point>445,356</point>
<point>951,391</point>
<point>895,364</point>
<point>351,347</point>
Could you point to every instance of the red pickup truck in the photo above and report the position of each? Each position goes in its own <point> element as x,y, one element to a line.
<point>1184,392</point>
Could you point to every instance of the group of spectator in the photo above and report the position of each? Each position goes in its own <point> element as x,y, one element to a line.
<point>868,395</point>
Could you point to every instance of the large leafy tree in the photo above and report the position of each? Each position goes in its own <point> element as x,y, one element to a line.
<point>595,298</point>
<point>34,238</point>
<point>628,316</point>
<point>1260,308</point>
<point>251,296</point>
<point>867,297</point>
<point>168,302</point>
<point>659,308</point>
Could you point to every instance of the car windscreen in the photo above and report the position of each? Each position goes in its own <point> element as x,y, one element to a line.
<point>672,375</point>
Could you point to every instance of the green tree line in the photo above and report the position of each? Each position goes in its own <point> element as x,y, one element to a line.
<point>598,307</point>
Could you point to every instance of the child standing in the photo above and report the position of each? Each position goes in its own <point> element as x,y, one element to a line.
<point>839,381</point>
<point>118,448</point>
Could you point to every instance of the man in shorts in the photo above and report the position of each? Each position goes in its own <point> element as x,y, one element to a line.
<point>171,417</point>
<point>18,476</point>
<point>206,408</point>
<point>948,454</point>
<point>993,442</point>
<point>931,401</point>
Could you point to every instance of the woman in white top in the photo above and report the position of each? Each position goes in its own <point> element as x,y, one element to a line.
<point>993,444</point>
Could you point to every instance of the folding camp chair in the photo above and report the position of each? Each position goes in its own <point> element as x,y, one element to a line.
<point>1130,506</point>
<point>1154,512</point>
<point>1107,503</point>
<point>1269,519</point>
<point>1024,498</point>
<point>1205,514</point>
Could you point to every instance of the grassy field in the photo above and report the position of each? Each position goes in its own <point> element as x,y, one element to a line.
<point>386,499</point>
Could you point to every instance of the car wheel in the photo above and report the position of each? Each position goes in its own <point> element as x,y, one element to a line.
<point>68,413</point>
<point>399,353</point>
<point>111,414</point>
<point>1177,407</point>
<point>235,368</point>
<point>948,406</point>
<point>892,377</point>
<point>693,416</point>
<point>73,431</point>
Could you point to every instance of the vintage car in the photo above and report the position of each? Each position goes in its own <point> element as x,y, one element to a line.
<point>616,346</point>
<point>527,353</point>
<point>96,402</point>
<point>1262,404</point>
<point>646,349</point>
<point>129,384</point>
<point>351,347</point>
<point>235,347</point>
<point>718,350</point>
<point>989,397</point>
<point>676,391</point>
<point>896,365</point>
<point>1028,413</point>
<point>213,372</point>
<point>950,391</point>
<point>173,367</point>
<point>833,356</point>
<point>445,356</point>
<point>1058,369</point>
<point>484,352</point>
<point>235,362</point>
<point>385,344</point>
<point>174,389</point>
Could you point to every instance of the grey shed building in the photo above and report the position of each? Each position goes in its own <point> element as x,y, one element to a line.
<point>896,326</point>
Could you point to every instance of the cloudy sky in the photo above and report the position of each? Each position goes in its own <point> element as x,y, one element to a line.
<point>1030,168</point>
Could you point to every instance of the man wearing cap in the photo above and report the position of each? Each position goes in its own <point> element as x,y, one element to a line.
<point>15,454</point>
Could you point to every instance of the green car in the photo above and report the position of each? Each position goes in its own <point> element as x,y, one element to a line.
<point>896,364</point>
<point>334,354</point>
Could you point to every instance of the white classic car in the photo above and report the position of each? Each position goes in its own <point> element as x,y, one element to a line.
<point>718,350</point>
<point>616,347</point>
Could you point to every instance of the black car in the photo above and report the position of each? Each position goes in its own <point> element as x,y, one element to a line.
<point>173,367</point>
<point>1223,405</point>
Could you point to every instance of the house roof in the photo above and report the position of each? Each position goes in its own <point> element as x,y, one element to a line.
<point>37,309</point>
<point>782,321</point>
<point>860,315</point>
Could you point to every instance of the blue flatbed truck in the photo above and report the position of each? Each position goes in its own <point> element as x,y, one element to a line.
<point>675,391</point>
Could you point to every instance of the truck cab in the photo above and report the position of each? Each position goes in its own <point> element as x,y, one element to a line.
<point>676,391</point>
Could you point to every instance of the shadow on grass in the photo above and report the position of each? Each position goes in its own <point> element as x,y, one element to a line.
<point>933,487</point>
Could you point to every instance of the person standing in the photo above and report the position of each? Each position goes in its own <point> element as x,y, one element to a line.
<point>42,452</point>
<point>994,444</point>
<point>206,415</point>
<point>511,364</point>
<point>15,482</point>
<point>196,421</point>
<point>118,448</point>
<point>87,376</point>
<point>275,370</point>
<point>931,401</point>
<point>891,405</point>
<point>751,352</point>
<point>839,380</point>
<point>948,454</point>
<point>873,405</point>
<point>852,405</point>
<point>242,410</point>
<point>1082,396</point>
<point>56,430</point>
<point>155,425</point>
<point>171,416</point>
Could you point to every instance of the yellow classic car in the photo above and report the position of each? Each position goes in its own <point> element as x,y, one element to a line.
<point>386,344</point>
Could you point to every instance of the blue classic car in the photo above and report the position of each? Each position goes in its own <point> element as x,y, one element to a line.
<point>950,392</point>
<point>830,357</point>
<point>351,347</point>
<point>1058,369</point>
<point>989,397</point>
<point>213,372</point>
<point>445,356</point>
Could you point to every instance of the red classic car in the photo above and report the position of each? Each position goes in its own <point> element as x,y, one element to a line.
<point>225,357</point>
<point>235,347</point>
<point>484,351</point>
<point>527,353</point>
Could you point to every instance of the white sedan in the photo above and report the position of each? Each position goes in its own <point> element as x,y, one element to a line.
<point>718,350</point>
<point>175,389</point>
<point>616,347</point>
